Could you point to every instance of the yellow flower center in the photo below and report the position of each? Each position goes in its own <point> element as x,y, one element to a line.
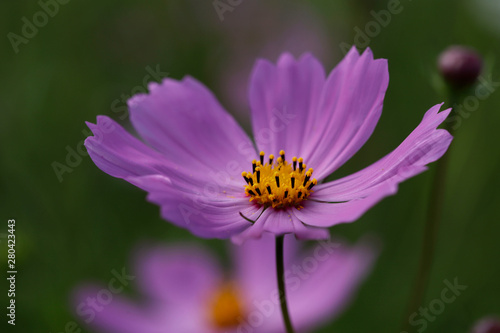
<point>278,183</point>
<point>226,308</point>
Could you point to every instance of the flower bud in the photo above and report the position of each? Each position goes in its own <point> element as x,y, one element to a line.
<point>487,325</point>
<point>459,65</point>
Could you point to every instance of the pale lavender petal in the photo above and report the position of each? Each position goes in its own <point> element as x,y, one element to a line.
<point>184,121</point>
<point>487,325</point>
<point>188,319</point>
<point>189,198</point>
<point>346,199</point>
<point>177,274</point>
<point>322,214</point>
<point>280,222</point>
<point>350,107</point>
<point>284,99</point>
<point>119,315</point>
<point>212,214</point>
<point>178,283</point>
<point>325,122</point>
<point>320,283</point>
<point>119,154</point>
<point>323,282</point>
<point>255,264</point>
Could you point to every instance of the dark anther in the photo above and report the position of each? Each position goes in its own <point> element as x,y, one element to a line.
<point>306,180</point>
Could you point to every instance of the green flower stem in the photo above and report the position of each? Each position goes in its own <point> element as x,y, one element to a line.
<point>280,269</point>
<point>434,214</point>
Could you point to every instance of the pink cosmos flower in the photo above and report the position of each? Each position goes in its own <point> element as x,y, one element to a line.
<point>186,290</point>
<point>206,174</point>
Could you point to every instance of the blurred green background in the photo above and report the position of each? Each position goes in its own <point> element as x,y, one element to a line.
<point>90,55</point>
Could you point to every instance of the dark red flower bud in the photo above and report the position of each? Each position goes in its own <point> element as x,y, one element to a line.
<point>459,65</point>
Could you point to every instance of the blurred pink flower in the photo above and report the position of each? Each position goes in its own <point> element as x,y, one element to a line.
<point>283,25</point>
<point>187,291</point>
<point>487,325</point>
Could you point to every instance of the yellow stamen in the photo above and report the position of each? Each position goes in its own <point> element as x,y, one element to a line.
<point>282,154</point>
<point>278,183</point>
<point>301,161</point>
<point>226,308</point>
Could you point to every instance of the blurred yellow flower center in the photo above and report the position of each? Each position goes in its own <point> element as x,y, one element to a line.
<point>226,308</point>
<point>278,183</point>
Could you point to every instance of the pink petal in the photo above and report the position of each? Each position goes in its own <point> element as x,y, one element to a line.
<point>205,214</point>
<point>255,263</point>
<point>178,283</point>
<point>280,222</point>
<point>325,281</point>
<point>185,122</point>
<point>325,122</point>
<point>346,199</point>
<point>487,325</point>
<point>115,315</point>
<point>207,204</point>
<point>177,274</point>
<point>119,154</point>
<point>351,105</point>
<point>320,283</point>
<point>282,99</point>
